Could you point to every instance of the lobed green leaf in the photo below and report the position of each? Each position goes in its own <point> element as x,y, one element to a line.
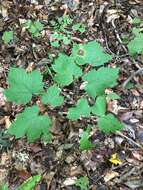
<point>23,85</point>
<point>32,125</point>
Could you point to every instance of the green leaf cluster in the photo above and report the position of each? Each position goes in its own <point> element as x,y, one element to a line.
<point>61,32</point>
<point>58,38</point>
<point>135,45</point>
<point>60,24</point>
<point>23,86</point>
<point>34,27</point>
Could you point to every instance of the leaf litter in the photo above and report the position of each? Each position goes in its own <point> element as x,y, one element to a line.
<point>109,26</point>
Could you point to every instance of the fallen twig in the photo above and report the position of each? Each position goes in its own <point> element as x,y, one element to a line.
<point>129,139</point>
<point>140,70</point>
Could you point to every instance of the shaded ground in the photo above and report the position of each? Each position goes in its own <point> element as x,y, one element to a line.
<point>108,22</point>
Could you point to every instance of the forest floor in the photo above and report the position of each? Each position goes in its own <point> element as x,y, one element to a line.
<point>61,162</point>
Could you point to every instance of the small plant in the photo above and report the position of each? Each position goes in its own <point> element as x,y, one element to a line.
<point>134,45</point>
<point>23,86</point>
<point>7,36</point>
<point>61,33</point>
<point>34,27</point>
<point>83,183</point>
<point>61,24</point>
<point>63,30</point>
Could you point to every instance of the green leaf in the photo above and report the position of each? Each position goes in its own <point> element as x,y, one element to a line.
<point>66,70</point>
<point>28,23</point>
<point>99,80</point>
<point>82,109</point>
<point>99,107</point>
<point>83,183</point>
<point>79,27</point>
<point>52,96</point>
<point>39,25</point>
<point>129,85</point>
<point>30,183</point>
<point>91,53</point>
<point>135,46</point>
<point>109,124</point>
<point>113,96</point>
<point>7,36</point>
<point>63,79</point>
<point>4,187</point>
<point>66,40</point>
<point>85,144</point>
<point>136,21</point>
<point>22,85</point>
<point>32,125</point>
<point>34,27</point>
<point>55,43</point>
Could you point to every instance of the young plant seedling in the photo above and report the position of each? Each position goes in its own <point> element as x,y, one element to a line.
<point>23,85</point>
<point>34,27</point>
<point>61,33</point>
<point>135,46</point>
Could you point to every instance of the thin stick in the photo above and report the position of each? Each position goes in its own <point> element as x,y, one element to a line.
<point>129,139</point>
<point>140,70</point>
